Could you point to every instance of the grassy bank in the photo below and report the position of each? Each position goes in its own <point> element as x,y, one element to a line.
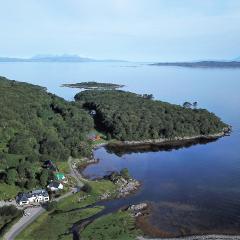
<point>119,225</point>
<point>83,199</point>
<point>56,225</point>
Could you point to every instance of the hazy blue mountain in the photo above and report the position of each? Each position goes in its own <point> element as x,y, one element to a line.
<point>60,58</point>
<point>55,58</point>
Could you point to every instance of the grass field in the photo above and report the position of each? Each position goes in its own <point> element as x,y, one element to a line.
<point>98,188</point>
<point>56,225</point>
<point>63,167</point>
<point>119,225</point>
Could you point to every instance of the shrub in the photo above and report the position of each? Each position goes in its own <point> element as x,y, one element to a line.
<point>51,206</point>
<point>87,188</point>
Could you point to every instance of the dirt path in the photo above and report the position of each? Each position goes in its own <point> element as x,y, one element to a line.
<point>75,173</point>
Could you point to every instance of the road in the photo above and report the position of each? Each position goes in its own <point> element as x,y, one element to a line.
<point>24,221</point>
<point>75,173</point>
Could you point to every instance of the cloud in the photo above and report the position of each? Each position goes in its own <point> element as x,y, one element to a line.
<point>122,28</point>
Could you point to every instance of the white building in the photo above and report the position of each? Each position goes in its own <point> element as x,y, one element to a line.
<point>37,196</point>
<point>55,186</point>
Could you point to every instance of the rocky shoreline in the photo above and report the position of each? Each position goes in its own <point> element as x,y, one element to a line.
<point>159,141</point>
<point>125,185</point>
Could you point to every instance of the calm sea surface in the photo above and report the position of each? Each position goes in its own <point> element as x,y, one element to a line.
<point>192,190</point>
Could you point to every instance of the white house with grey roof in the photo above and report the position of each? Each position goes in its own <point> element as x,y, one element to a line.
<point>55,186</point>
<point>33,197</point>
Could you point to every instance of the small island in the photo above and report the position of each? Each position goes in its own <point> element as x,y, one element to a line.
<point>201,64</point>
<point>93,86</point>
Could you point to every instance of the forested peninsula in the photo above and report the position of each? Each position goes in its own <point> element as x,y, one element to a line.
<point>127,116</point>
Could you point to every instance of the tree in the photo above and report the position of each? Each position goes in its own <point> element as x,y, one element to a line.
<point>87,188</point>
<point>22,143</point>
<point>31,183</point>
<point>187,105</point>
<point>21,170</point>
<point>195,105</point>
<point>44,177</point>
<point>11,176</point>
<point>148,96</point>
<point>32,158</point>
<point>109,137</point>
<point>125,173</point>
<point>21,183</point>
<point>51,206</point>
<point>10,211</point>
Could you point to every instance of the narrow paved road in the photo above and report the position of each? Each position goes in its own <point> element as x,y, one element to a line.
<point>33,214</point>
<point>23,222</point>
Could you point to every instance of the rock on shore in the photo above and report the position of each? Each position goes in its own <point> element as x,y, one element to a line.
<point>126,186</point>
<point>136,210</point>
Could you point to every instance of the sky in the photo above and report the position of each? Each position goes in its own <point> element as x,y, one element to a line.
<point>136,30</point>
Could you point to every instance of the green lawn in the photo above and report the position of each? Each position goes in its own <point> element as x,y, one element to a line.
<point>98,187</point>
<point>116,226</point>
<point>101,186</point>
<point>56,225</point>
<point>63,167</point>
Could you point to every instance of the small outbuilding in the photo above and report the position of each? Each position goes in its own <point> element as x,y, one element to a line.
<point>60,177</point>
<point>55,186</point>
<point>50,165</point>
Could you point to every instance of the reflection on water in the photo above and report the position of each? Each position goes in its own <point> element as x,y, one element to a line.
<point>193,189</point>
<point>120,150</point>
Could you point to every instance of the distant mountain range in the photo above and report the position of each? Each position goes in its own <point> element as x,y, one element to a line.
<point>75,58</point>
<point>202,64</point>
<point>55,58</point>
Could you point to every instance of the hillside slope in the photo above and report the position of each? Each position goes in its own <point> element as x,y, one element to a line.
<point>35,126</point>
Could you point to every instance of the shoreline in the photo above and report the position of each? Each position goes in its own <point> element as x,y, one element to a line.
<point>174,140</point>
<point>179,141</point>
